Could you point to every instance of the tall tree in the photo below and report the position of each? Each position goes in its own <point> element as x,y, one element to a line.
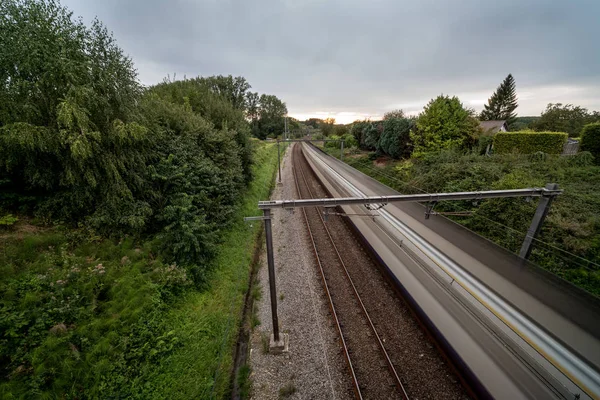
<point>233,89</point>
<point>271,116</point>
<point>503,103</point>
<point>443,124</point>
<point>327,126</point>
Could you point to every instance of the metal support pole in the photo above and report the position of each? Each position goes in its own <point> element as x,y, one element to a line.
<point>271,264</point>
<point>342,151</point>
<point>279,161</point>
<point>538,219</point>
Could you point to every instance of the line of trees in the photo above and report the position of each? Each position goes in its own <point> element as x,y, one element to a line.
<point>84,143</point>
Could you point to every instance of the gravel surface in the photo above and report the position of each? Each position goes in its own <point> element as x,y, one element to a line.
<point>314,367</point>
<point>421,367</point>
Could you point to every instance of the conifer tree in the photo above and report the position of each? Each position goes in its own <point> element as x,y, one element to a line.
<point>503,103</point>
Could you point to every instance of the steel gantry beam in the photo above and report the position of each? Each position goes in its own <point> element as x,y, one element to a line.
<point>419,198</point>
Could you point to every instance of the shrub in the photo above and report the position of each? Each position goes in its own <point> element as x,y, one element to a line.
<point>443,124</point>
<point>349,140</point>
<point>370,136</point>
<point>333,145</point>
<point>590,140</point>
<point>395,139</point>
<point>581,159</point>
<point>528,142</point>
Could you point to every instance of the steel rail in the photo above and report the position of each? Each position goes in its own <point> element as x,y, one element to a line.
<point>355,384</point>
<point>559,356</point>
<point>420,198</point>
<point>359,299</point>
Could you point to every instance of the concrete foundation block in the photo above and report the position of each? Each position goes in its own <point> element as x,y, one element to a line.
<point>281,346</point>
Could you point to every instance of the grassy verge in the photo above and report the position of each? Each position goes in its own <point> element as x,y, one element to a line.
<point>207,323</point>
<point>569,243</point>
<point>84,317</point>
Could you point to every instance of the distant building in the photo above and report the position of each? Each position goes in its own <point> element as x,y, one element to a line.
<point>493,127</point>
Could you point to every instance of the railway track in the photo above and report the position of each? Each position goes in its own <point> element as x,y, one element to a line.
<point>371,368</point>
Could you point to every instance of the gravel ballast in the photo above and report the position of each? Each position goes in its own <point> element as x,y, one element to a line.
<point>314,367</point>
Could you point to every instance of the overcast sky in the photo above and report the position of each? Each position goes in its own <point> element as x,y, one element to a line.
<point>353,59</point>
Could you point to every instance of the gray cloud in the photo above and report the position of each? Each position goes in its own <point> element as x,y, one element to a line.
<point>367,57</point>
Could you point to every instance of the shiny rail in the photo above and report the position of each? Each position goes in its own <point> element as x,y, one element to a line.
<point>382,349</point>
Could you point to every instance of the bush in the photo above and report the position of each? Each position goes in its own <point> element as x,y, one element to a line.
<point>395,139</point>
<point>528,142</point>
<point>333,145</point>
<point>590,140</point>
<point>349,140</point>
<point>370,136</point>
<point>444,123</point>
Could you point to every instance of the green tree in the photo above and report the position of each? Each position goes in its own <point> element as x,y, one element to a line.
<point>271,116</point>
<point>233,89</point>
<point>590,140</point>
<point>444,123</point>
<point>564,118</point>
<point>68,116</point>
<point>313,122</point>
<point>327,126</point>
<point>395,139</point>
<point>503,103</point>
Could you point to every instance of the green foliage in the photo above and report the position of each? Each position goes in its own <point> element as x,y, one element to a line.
<point>349,140</point>
<point>528,142</point>
<point>82,320</point>
<point>327,126</point>
<point>395,139</point>
<point>565,118</point>
<point>67,117</point>
<point>333,145</point>
<point>356,130</point>
<point>503,103</point>
<point>590,140</point>
<point>88,318</point>
<point>370,135</point>
<point>443,124</point>
<point>8,220</point>
<point>572,225</point>
<point>522,123</point>
<point>206,322</point>
<point>271,113</point>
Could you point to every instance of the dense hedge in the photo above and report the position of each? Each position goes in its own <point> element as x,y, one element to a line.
<point>590,140</point>
<point>527,142</point>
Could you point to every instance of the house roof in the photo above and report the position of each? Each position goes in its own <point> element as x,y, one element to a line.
<point>491,126</point>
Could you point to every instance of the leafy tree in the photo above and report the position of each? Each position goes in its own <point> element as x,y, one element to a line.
<point>564,118</point>
<point>271,116</point>
<point>371,134</point>
<point>340,130</point>
<point>503,103</point>
<point>68,117</point>
<point>357,128</point>
<point>314,122</point>
<point>395,139</point>
<point>590,140</point>
<point>235,90</point>
<point>213,107</point>
<point>522,123</point>
<point>444,123</point>
<point>327,126</point>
